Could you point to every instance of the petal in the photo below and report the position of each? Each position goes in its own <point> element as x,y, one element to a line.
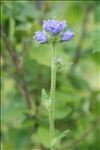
<point>68,35</point>
<point>54,26</point>
<point>41,37</point>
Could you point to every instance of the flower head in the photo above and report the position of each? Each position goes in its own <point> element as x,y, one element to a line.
<point>54,26</point>
<point>68,35</point>
<point>54,32</point>
<point>41,37</point>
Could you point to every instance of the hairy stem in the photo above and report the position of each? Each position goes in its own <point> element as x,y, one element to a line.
<point>52,96</point>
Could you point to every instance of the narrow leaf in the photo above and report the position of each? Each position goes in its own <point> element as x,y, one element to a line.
<point>58,139</point>
<point>44,95</point>
<point>45,99</point>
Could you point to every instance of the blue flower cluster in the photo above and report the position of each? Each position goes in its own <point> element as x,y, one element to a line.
<point>55,28</point>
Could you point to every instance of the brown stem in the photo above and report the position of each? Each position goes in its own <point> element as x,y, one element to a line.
<point>18,66</point>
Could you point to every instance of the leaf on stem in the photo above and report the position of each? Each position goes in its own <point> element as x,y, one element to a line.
<point>58,139</point>
<point>45,99</point>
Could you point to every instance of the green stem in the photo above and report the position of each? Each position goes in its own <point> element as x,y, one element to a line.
<point>52,96</point>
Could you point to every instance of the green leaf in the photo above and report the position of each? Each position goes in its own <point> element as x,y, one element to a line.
<point>17,139</point>
<point>29,10</point>
<point>44,95</point>
<point>61,112</point>
<point>44,136</point>
<point>13,114</point>
<point>45,99</point>
<point>59,138</point>
<point>23,27</point>
<point>97,13</point>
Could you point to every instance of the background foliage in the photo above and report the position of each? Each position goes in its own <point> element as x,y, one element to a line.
<point>26,70</point>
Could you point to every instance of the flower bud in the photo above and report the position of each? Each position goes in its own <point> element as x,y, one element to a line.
<point>59,63</point>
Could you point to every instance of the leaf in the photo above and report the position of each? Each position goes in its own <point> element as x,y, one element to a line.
<point>14,113</point>
<point>79,82</point>
<point>44,95</point>
<point>62,112</point>
<point>58,139</point>
<point>23,27</point>
<point>45,99</point>
<point>97,13</point>
<point>29,10</point>
<point>44,136</point>
<point>17,139</point>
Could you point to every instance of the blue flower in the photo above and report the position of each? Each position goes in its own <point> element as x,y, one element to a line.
<point>56,32</point>
<point>41,37</point>
<point>68,35</point>
<point>54,26</point>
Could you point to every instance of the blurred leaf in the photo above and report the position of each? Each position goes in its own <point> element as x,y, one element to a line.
<point>23,27</point>
<point>44,136</point>
<point>14,113</point>
<point>17,139</point>
<point>97,12</point>
<point>29,10</point>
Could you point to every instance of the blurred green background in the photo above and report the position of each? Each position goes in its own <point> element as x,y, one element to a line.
<point>26,70</point>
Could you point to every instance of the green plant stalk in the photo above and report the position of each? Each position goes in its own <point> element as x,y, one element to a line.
<point>52,97</point>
